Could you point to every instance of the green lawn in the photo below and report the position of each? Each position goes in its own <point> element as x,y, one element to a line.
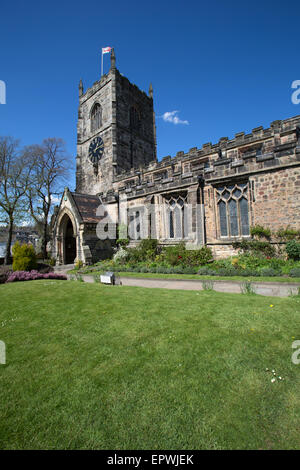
<point>102,367</point>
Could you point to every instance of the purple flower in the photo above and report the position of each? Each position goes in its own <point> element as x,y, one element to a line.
<point>32,276</point>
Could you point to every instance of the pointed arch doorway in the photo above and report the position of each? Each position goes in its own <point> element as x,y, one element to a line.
<point>68,237</point>
<point>70,243</point>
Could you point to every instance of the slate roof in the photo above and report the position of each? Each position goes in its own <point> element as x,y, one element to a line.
<point>87,206</point>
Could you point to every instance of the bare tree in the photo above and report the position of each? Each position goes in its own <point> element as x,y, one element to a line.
<point>15,172</point>
<point>51,167</point>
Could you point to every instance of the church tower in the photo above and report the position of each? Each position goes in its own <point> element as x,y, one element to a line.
<point>115,131</point>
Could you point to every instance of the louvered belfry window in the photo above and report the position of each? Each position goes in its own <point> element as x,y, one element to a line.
<point>135,119</point>
<point>233,210</point>
<point>96,117</point>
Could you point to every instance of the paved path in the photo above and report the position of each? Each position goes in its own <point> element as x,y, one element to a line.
<point>63,268</point>
<point>263,288</point>
<point>273,289</point>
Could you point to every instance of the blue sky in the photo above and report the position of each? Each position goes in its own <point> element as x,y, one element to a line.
<point>226,67</point>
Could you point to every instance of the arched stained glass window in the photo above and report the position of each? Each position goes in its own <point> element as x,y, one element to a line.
<point>176,214</point>
<point>244,216</point>
<point>171,220</point>
<point>223,219</point>
<point>232,203</point>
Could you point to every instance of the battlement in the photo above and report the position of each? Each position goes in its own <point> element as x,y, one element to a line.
<point>278,145</point>
<point>106,78</point>
<point>132,86</point>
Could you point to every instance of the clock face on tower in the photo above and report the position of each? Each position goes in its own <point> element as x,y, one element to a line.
<point>96,150</point>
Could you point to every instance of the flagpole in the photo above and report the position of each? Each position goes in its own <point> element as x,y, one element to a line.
<point>101,62</point>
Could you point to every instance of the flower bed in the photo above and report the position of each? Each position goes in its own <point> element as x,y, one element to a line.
<point>33,276</point>
<point>242,265</point>
<point>255,258</point>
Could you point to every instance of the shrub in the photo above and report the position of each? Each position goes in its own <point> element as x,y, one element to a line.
<point>269,272</point>
<point>205,271</point>
<point>227,272</point>
<point>248,261</point>
<point>177,269</point>
<point>52,261</point>
<point>189,270</point>
<point>152,269</point>
<point>295,272</point>
<point>260,232</point>
<point>198,257</point>
<point>136,269</point>
<point>78,264</point>
<point>144,269</point>
<point>121,255</point>
<point>174,255</point>
<point>146,251</point>
<point>161,269</point>
<point>134,255</point>
<point>287,234</point>
<point>255,247</point>
<point>169,270</point>
<point>248,273</point>
<point>235,262</point>
<point>149,244</point>
<point>293,250</point>
<point>24,257</point>
<point>122,241</point>
<point>277,263</point>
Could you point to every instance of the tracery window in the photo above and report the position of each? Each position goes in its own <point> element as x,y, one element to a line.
<point>176,216</point>
<point>233,210</point>
<point>96,117</point>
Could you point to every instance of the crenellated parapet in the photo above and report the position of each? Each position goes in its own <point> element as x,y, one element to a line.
<point>276,146</point>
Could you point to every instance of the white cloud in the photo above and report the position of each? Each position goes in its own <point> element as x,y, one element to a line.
<point>171,116</point>
<point>55,199</point>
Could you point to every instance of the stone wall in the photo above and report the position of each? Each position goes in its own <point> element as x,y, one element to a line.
<point>277,198</point>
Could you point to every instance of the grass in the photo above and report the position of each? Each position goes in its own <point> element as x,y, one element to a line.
<point>292,280</point>
<point>102,367</point>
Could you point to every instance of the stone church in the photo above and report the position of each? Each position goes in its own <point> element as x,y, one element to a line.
<point>208,196</point>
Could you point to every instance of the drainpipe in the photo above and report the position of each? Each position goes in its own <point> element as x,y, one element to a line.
<point>201,182</point>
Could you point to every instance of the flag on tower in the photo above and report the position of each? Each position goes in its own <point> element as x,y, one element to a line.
<point>106,50</point>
